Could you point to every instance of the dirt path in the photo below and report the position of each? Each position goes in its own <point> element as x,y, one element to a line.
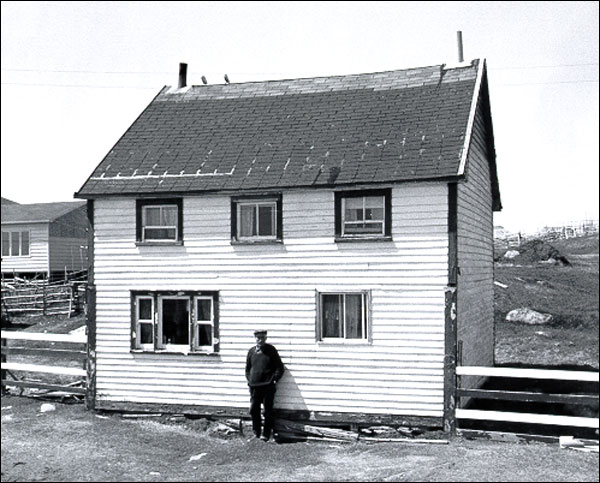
<point>72,444</point>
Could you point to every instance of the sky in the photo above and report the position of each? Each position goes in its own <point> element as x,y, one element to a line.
<point>75,75</point>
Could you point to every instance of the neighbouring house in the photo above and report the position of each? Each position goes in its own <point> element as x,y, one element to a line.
<point>44,240</point>
<point>350,216</point>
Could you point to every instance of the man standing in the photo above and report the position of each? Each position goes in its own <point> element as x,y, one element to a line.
<point>263,369</point>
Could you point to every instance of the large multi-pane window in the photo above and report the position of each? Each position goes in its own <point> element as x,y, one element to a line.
<point>159,221</point>
<point>343,316</point>
<point>256,219</point>
<point>363,214</point>
<point>175,322</point>
<point>15,243</point>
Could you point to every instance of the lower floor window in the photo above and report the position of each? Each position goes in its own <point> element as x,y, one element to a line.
<point>175,321</point>
<point>343,316</point>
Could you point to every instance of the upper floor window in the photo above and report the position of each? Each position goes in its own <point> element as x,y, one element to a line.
<point>256,219</point>
<point>15,243</point>
<point>159,221</point>
<point>363,214</point>
<point>175,322</point>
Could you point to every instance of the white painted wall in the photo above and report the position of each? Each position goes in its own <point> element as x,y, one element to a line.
<point>273,286</point>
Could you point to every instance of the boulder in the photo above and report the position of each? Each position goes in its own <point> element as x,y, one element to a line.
<point>528,316</point>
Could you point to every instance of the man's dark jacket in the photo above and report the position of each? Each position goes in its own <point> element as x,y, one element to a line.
<point>263,366</point>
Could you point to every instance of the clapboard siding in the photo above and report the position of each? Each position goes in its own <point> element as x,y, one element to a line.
<point>475,294</point>
<point>68,254</point>
<point>37,261</point>
<point>275,286</point>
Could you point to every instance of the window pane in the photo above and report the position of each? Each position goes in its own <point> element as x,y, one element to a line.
<point>354,209</point>
<point>24,243</point>
<point>159,233</point>
<point>247,220</point>
<point>203,309</point>
<point>144,309</point>
<point>5,244</point>
<point>374,207</point>
<point>15,242</point>
<point>204,335</point>
<point>265,221</point>
<point>330,315</point>
<point>363,228</point>
<point>175,321</point>
<point>152,217</point>
<point>146,333</point>
<point>353,313</point>
<point>169,216</point>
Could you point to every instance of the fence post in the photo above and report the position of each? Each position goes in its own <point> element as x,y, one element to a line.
<point>3,372</point>
<point>44,304</point>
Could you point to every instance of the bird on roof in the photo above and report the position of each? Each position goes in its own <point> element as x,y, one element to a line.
<point>204,81</point>
<point>226,77</point>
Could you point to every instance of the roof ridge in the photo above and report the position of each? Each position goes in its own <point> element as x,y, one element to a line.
<point>382,80</point>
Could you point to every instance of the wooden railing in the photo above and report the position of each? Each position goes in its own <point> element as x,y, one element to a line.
<point>527,396</point>
<point>79,353</point>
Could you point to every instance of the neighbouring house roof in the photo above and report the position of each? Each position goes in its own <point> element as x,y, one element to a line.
<point>37,212</point>
<point>403,125</point>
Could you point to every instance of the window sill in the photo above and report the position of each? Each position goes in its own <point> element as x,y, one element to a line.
<point>339,239</point>
<point>176,353</point>
<point>159,244</point>
<point>257,242</point>
<point>344,342</point>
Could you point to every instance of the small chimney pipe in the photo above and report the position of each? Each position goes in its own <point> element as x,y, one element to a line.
<point>460,46</point>
<point>182,75</point>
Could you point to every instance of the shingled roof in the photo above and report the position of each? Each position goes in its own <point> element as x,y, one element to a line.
<point>402,125</point>
<point>37,212</point>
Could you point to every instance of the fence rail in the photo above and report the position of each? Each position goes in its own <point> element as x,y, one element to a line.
<point>79,354</point>
<point>41,298</point>
<point>527,396</point>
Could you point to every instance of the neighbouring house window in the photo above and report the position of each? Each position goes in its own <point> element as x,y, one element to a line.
<point>343,316</point>
<point>159,221</point>
<point>175,322</point>
<point>256,219</point>
<point>15,243</point>
<point>363,214</point>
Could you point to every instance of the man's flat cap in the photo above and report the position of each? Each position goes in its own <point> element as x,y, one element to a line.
<point>260,332</point>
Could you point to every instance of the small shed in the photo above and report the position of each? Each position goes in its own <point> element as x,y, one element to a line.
<point>44,240</point>
<point>351,216</point>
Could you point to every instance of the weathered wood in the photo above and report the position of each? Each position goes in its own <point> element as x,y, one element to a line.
<point>39,336</point>
<point>66,371</point>
<point>529,396</point>
<point>40,385</point>
<point>505,437</point>
<point>525,373</point>
<point>53,353</point>
<point>450,352</point>
<point>513,417</point>
<point>310,430</point>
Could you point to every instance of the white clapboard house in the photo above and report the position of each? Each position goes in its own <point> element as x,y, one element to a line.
<point>43,240</point>
<point>350,216</point>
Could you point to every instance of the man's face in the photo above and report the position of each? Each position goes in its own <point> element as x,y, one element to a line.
<point>260,340</point>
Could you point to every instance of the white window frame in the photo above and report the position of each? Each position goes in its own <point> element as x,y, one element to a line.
<point>159,323</point>
<point>157,299</point>
<point>197,322</point>
<point>257,204</point>
<point>362,222</point>
<point>365,317</point>
<point>10,236</point>
<point>139,321</point>
<point>160,227</point>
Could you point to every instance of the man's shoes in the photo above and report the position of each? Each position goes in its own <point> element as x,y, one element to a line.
<point>264,438</point>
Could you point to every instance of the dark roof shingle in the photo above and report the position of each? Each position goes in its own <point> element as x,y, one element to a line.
<point>329,131</point>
